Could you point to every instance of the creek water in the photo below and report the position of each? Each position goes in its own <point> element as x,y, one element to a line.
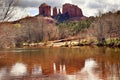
<point>83,63</point>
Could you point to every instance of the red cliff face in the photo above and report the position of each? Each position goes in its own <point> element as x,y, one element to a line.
<point>69,11</point>
<point>45,10</point>
<point>72,10</point>
<point>55,11</point>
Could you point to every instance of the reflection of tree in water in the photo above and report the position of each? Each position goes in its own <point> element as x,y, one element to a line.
<point>109,71</point>
<point>72,59</point>
<point>109,68</point>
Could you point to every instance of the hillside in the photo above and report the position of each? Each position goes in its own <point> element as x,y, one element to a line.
<point>106,28</point>
<point>29,29</point>
<point>103,30</point>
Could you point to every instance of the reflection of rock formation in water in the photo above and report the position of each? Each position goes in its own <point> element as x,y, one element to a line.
<point>54,68</point>
<point>19,69</point>
<point>86,73</point>
<point>74,60</point>
<point>62,69</point>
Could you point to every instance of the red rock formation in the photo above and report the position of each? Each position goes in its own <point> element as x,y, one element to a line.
<point>55,11</point>
<point>72,10</point>
<point>59,12</point>
<point>45,10</point>
<point>69,11</point>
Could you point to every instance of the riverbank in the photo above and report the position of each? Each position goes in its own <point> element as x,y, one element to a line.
<point>75,43</point>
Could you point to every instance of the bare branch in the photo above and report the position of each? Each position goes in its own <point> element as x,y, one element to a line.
<point>7,9</point>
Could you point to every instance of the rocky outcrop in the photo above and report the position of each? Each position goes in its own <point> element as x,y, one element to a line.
<point>72,10</point>
<point>45,10</point>
<point>69,11</point>
<point>55,11</point>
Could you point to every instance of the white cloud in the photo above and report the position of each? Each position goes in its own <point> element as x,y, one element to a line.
<point>89,7</point>
<point>67,1</point>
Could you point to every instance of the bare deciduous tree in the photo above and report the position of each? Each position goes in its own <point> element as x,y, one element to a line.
<point>6,9</point>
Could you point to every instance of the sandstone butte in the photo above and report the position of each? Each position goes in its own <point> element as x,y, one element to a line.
<point>55,13</point>
<point>45,10</point>
<point>72,10</point>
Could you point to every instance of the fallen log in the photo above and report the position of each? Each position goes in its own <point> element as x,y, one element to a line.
<point>67,39</point>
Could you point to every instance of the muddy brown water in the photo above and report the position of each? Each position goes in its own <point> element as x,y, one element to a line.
<point>84,63</point>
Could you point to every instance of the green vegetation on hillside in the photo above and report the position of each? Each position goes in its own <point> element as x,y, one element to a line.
<point>72,28</point>
<point>107,26</point>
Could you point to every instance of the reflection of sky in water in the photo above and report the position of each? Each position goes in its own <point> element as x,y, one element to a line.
<point>37,70</point>
<point>88,72</point>
<point>19,69</point>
